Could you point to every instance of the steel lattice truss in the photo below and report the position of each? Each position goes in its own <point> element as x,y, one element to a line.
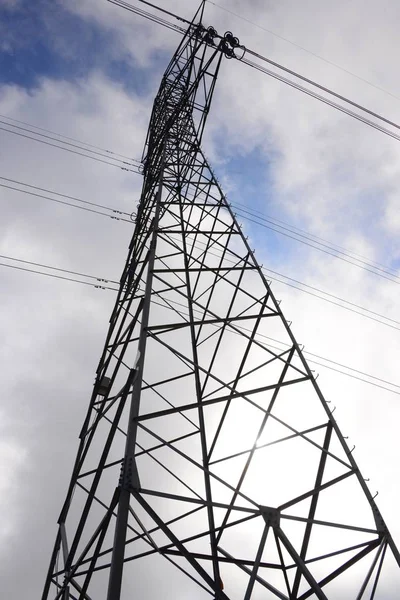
<point>206,443</point>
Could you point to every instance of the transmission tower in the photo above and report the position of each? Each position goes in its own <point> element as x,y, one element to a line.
<point>208,442</point>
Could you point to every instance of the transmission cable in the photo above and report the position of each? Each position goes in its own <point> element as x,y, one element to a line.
<point>289,82</point>
<point>265,269</point>
<point>393,278</point>
<point>150,16</point>
<point>351,304</point>
<point>98,286</point>
<point>323,88</point>
<point>70,138</point>
<point>346,253</point>
<point>167,12</point>
<point>91,210</point>
<point>326,100</point>
<point>35,264</point>
<point>312,237</point>
<point>326,293</point>
<point>114,210</point>
<point>329,62</point>
<point>49,137</point>
<point>308,234</point>
<point>333,296</point>
<point>107,162</point>
<point>322,250</point>
<point>259,335</point>
<point>384,270</point>
<point>215,254</point>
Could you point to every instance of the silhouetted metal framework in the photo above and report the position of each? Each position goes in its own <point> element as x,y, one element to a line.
<point>207,440</point>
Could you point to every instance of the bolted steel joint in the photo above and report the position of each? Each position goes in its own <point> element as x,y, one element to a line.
<point>128,469</point>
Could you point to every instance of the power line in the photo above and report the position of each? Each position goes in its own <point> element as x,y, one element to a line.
<point>167,12</point>
<point>256,221</point>
<point>259,335</point>
<point>295,85</point>
<point>320,249</point>
<point>323,88</point>
<point>98,286</point>
<point>329,62</point>
<point>35,264</point>
<point>372,314</point>
<point>68,150</point>
<point>344,252</point>
<point>324,99</point>
<point>150,16</point>
<point>333,296</point>
<point>314,237</point>
<point>114,210</point>
<point>91,210</point>
<point>289,82</point>
<point>67,138</point>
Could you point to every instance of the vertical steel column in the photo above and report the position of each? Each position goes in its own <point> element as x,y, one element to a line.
<point>118,554</point>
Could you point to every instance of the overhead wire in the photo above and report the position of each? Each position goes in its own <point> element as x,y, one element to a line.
<point>163,10</point>
<point>107,162</point>
<point>285,39</point>
<point>372,315</point>
<point>337,364</point>
<point>90,210</point>
<point>294,84</point>
<point>351,304</point>
<point>320,249</point>
<point>135,160</point>
<point>103,281</point>
<point>324,99</point>
<point>100,285</point>
<point>367,310</point>
<point>35,187</point>
<point>35,264</point>
<point>344,252</point>
<point>393,277</point>
<point>314,237</point>
<point>149,16</point>
<point>323,88</point>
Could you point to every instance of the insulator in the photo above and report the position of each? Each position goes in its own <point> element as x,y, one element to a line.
<point>210,36</point>
<point>226,48</point>
<point>231,39</point>
<point>199,30</point>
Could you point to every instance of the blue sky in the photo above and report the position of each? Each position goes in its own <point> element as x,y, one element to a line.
<point>44,39</point>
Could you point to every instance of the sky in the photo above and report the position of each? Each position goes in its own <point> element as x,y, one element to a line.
<point>90,70</point>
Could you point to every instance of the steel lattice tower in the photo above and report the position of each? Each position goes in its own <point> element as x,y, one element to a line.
<point>203,442</point>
